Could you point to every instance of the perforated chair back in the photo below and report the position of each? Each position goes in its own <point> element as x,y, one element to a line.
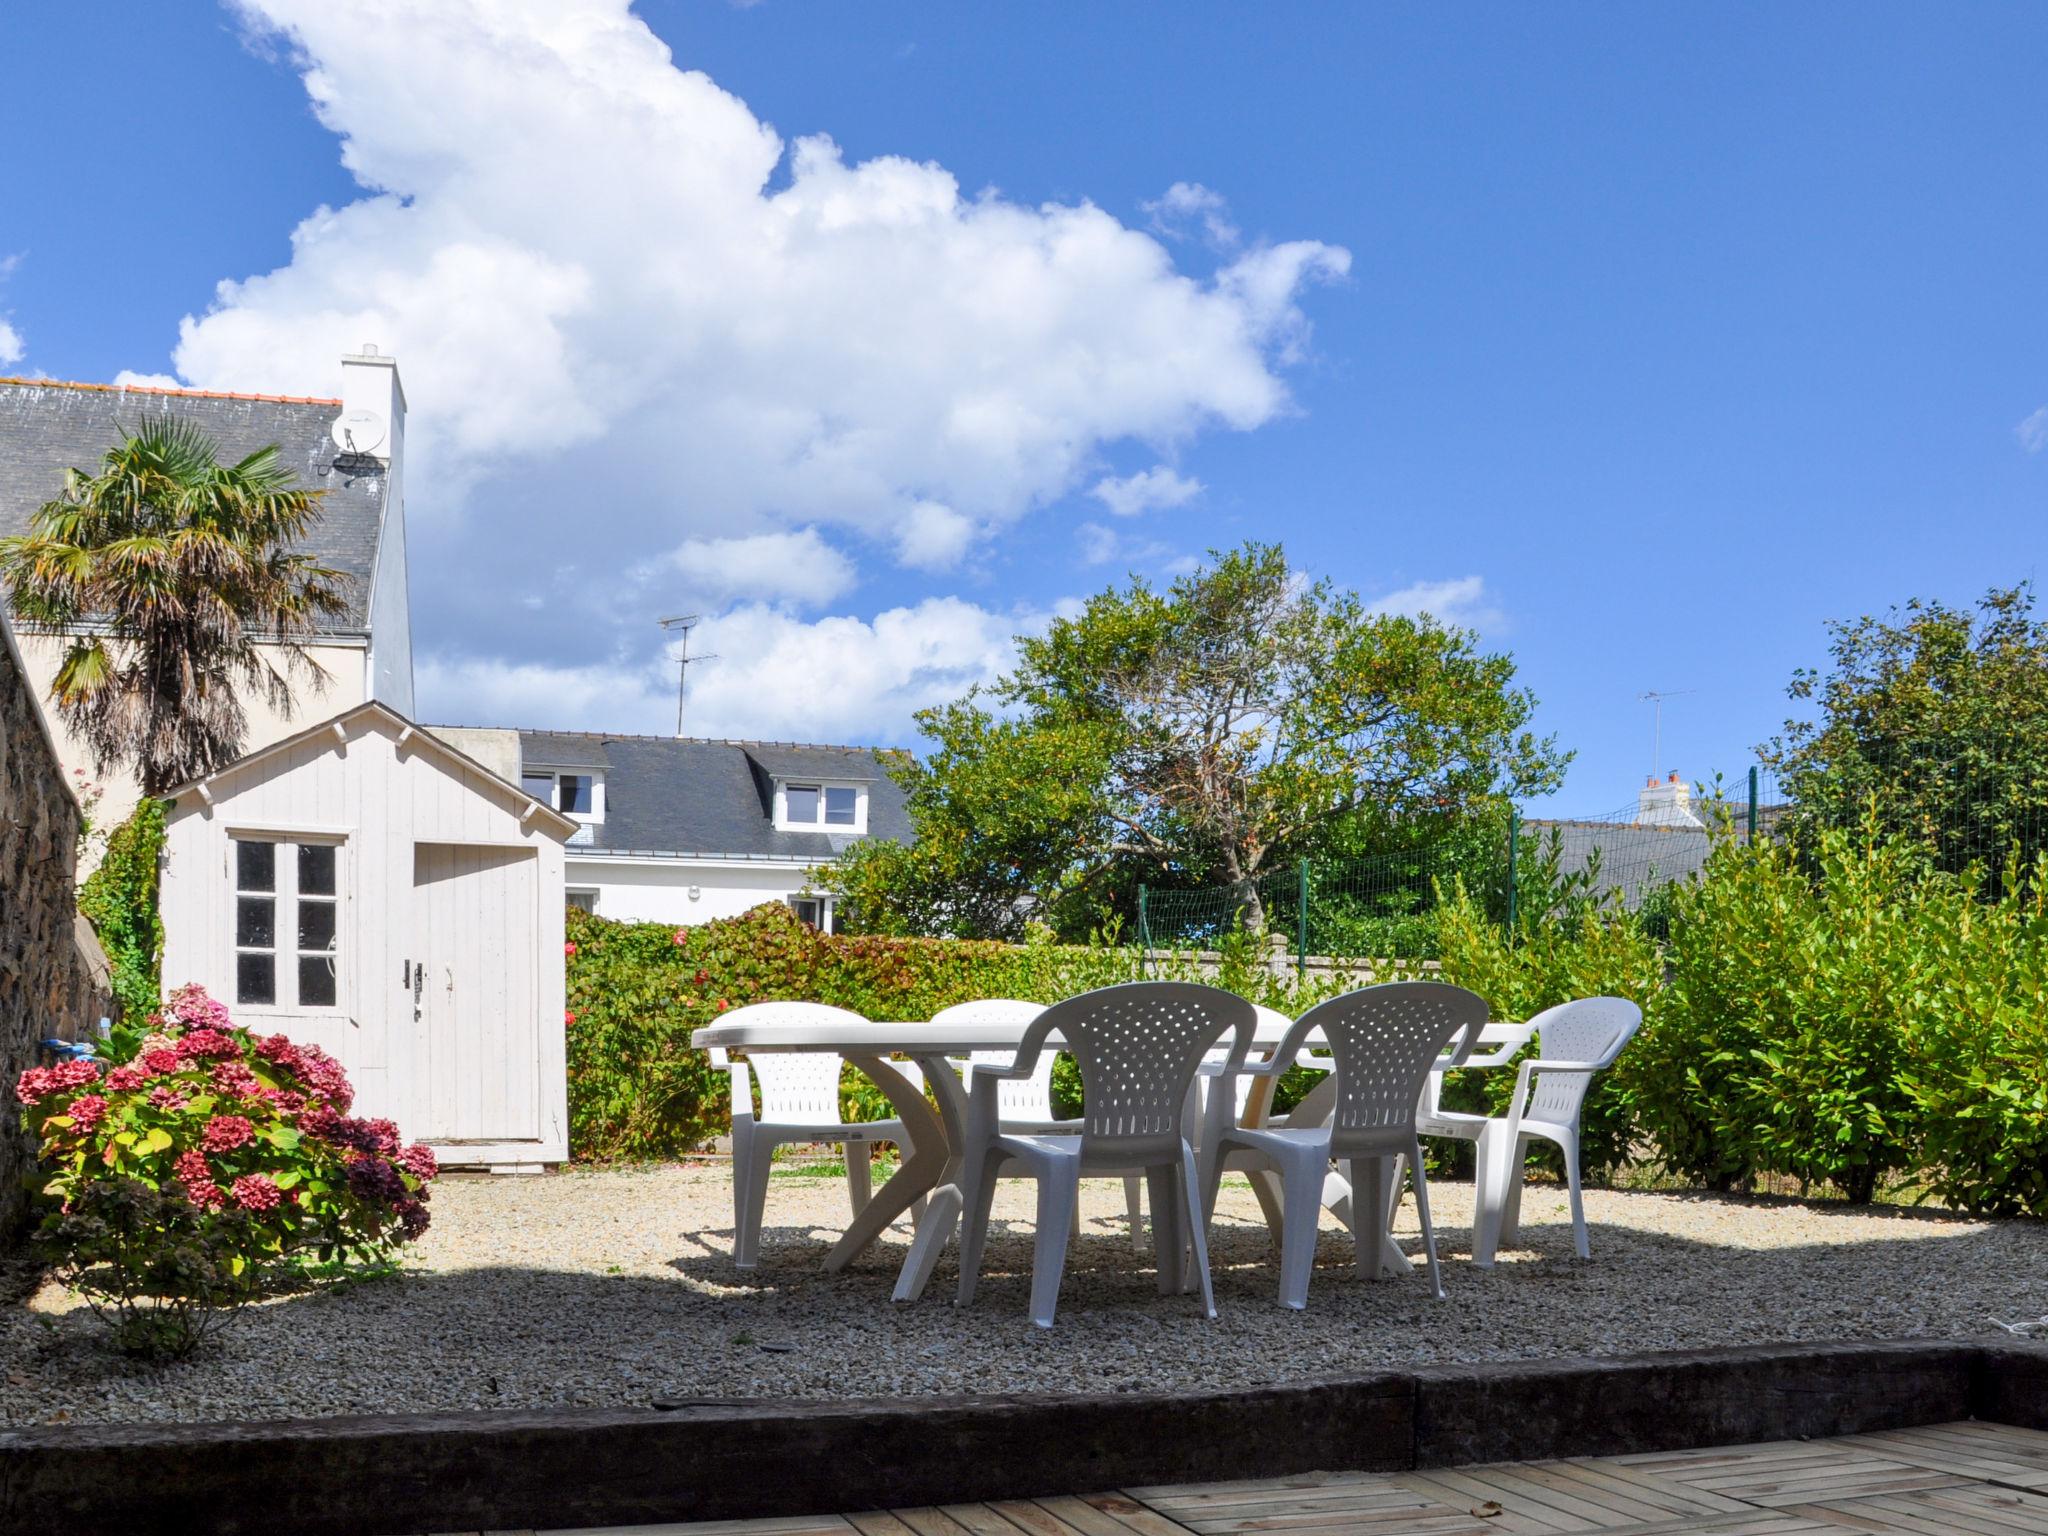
<point>797,1087</point>
<point>1138,1046</point>
<point>1590,1029</point>
<point>1027,1098</point>
<point>1385,1040</point>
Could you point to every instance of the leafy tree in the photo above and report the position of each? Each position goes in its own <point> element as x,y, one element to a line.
<point>173,577</point>
<point>1203,734</point>
<point>1937,717</point>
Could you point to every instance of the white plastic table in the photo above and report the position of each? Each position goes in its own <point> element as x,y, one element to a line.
<point>931,1168</point>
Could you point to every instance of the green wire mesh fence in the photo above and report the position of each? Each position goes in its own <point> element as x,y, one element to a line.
<point>1963,812</point>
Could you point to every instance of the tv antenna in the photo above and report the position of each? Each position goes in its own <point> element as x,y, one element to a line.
<point>682,626</point>
<point>1656,699</point>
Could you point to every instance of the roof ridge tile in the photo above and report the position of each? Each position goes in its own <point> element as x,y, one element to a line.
<point>167,389</point>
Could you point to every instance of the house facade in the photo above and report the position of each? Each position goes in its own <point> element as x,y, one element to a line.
<point>365,887</point>
<point>351,447</point>
<point>681,830</point>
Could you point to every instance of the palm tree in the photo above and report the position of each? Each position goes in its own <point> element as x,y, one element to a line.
<point>172,576</point>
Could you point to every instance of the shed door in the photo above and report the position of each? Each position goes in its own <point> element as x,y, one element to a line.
<point>472,941</point>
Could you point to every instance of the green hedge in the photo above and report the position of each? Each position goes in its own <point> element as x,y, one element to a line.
<point>1848,1021</point>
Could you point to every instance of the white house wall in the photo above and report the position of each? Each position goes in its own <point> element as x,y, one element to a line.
<point>347,686</point>
<point>658,890</point>
<point>382,799</point>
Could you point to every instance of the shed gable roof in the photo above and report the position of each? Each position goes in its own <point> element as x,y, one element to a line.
<point>414,736</point>
<point>48,427</point>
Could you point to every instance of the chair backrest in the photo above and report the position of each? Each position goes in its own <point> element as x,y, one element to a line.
<point>1385,1040</point>
<point>1138,1046</point>
<point>1584,1029</point>
<point>1024,1098</point>
<point>797,1087</point>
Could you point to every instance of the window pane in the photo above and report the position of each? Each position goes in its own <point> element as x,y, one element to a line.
<point>801,801</point>
<point>805,908</point>
<point>316,981</point>
<point>316,869</point>
<point>539,785</point>
<point>575,794</point>
<point>255,865</point>
<point>255,979</point>
<point>316,925</point>
<point>839,807</point>
<point>256,922</point>
<point>583,901</point>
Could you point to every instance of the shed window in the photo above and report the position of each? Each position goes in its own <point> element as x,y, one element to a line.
<point>287,923</point>
<point>839,806</point>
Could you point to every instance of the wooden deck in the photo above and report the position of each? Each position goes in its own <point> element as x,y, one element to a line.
<point>1952,1478</point>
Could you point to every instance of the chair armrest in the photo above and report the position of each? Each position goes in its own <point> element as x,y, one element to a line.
<point>1526,1077</point>
<point>1515,1036</point>
<point>742,1086</point>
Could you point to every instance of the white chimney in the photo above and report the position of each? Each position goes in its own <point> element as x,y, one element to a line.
<point>1665,803</point>
<point>372,419</point>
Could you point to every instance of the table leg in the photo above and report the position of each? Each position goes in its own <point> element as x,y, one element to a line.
<point>942,1210</point>
<point>924,1162</point>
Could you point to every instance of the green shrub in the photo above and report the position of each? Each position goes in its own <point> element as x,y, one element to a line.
<point>119,899</point>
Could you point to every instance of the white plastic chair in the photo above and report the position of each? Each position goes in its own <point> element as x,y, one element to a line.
<point>1025,1103</point>
<point>799,1103</point>
<point>1138,1047</point>
<point>1385,1042</point>
<point>1574,1040</point>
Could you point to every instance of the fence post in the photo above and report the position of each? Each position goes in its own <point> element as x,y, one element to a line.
<point>1144,932</point>
<point>1752,802</point>
<point>1514,837</point>
<point>1301,926</point>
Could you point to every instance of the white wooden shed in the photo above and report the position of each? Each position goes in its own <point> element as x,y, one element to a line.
<point>367,888</point>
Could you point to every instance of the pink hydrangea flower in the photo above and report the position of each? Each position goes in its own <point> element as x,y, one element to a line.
<point>224,1133</point>
<point>280,1050</point>
<point>254,1192</point>
<point>38,1083</point>
<point>127,1078</point>
<point>162,1059</point>
<point>419,1161</point>
<point>191,1168</point>
<point>321,1121</point>
<point>87,1111</point>
<point>167,1096</point>
<point>191,1007</point>
<point>231,1077</point>
<point>201,1044</point>
<point>159,1042</point>
<point>285,1101</point>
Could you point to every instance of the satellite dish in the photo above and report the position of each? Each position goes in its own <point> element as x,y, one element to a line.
<point>357,431</point>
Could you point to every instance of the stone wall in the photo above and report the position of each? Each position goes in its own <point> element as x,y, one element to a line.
<point>47,981</point>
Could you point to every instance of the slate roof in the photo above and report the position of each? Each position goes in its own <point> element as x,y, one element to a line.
<point>715,799</point>
<point>48,427</point>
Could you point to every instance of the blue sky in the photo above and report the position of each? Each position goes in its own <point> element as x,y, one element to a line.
<point>1645,339</point>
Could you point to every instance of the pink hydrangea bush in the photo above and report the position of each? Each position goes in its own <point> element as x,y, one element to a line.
<point>212,1168</point>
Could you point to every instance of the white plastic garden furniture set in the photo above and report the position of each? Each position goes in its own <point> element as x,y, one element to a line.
<point>1142,1049</point>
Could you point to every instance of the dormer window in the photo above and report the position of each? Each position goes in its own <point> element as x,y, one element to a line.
<point>579,796</point>
<point>821,807</point>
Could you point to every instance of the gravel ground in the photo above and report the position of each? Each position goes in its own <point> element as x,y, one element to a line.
<point>614,1287</point>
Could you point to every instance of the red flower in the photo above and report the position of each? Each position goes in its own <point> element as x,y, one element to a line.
<point>419,1161</point>
<point>723,1005</point>
<point>569,949</point>
<point>232,1078</point>
<point>38,1083</point>
<point>568,1015</point>
<point>125,1079</point>
<point>162,1060</point>
<point>254,1192</point>
<point>202,1043</point>
<point>87,1110</point>
<point>680,939</point>
<point>224,1133</point>
<point>702,977</point>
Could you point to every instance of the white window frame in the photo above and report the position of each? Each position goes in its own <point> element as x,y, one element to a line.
<point>553,799</point>
<point>827,920</point>
<point>784,823</point>
<point>589,894</point>
<point>285,898</point>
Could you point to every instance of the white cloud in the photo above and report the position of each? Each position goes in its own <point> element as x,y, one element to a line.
<point>932,537</point>
<point>777,676</point>
<point>12,347</point>
<point>1098,544</point>
<point>798,567</point>
<point>2033,432</point>
<point>1186,204</point>
<point>128,378</point>
<point>630,317</point>
<point>1462,601</point>
<point>1158,486</point>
